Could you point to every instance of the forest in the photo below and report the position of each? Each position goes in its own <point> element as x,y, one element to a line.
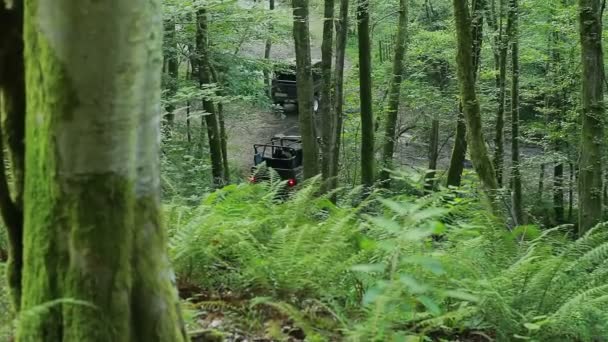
<point>303,170</point>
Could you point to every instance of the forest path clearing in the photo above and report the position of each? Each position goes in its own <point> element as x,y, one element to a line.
<point>250,124</point>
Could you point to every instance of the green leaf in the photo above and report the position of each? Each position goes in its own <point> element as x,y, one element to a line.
<point>430,305</point>
<point>532,326</point>
<point>413,285</point>
<point>390,225</point>
<point>457,294</point>
<point>369,268</point>
<point>397,208</point>
<point>519,337</point>
<point>371,295</point>
<point>429,263</point>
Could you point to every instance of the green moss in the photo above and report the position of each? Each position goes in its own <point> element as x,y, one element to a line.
<point>85,277</point>
<point>207,335</point>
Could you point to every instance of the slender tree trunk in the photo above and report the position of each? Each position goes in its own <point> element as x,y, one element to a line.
<point>365,95</point>
<point>571,172</point>
<point>12,134</point>
<point>210,117</point>
<point>172,71</point>
<point>222,125</point>
<point>541,183</point>
<point>301,38</point>
<point>94,247</point>
<point>515,173</point>
<point>223,142</point>
<point>466,77</point>
<point>558,192</point>
<point>341,35</point>
<point>327,113</point>
<point>394,96</point>
<point>460,139</point>
<point>429,182</point>
<point>189,76</point>
<point>500,58</point>
<point>591,153</point>
<point>557,112</point>
<point>459,151</point>
<point>267,49</point>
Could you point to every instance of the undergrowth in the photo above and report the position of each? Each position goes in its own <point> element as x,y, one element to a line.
<point>388,269</point>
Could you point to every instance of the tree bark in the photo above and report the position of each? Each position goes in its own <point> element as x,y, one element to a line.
<point>591,152</point>
<point>326,108</point>
<point>301,36</point>
<point>460,139</point>
<point>210,117</point>
<point>365,95</point>
<point>466,77</point>
<point>12,133</point>
<point>341,35</point>
<point>515,173</point>
<point>394,96</point>
<point>94,247</point>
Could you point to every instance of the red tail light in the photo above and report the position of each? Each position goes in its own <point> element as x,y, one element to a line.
<point>291,182</point>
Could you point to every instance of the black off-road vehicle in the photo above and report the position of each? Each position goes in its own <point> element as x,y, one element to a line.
<point>283,154</point>
<point>284,84</point>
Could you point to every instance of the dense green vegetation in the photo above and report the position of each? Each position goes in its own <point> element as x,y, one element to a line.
<point>453,186</point>
<point>392,268</point>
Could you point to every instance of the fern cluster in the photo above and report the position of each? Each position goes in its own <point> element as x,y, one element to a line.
<point>553,289</point>
<point>244,239</point>
<point>397,268</point>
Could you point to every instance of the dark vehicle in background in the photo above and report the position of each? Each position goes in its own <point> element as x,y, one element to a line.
<point>284,84</point>
<point>283,154</point>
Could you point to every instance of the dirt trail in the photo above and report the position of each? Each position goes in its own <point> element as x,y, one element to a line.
<point>246,124</point>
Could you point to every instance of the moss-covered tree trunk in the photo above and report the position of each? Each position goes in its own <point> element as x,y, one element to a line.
<point>341,35</point>
<point>591,152</point>
<point>301,38</point>
<point>326,108</point>
<point>12,131</point>
<point>460,139</point>
<point>210,117</point>
<point>394,96</point>
<point>368,161</point>
<point>468,97</point>
<point>517,196</point>
<point>95,260</point>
